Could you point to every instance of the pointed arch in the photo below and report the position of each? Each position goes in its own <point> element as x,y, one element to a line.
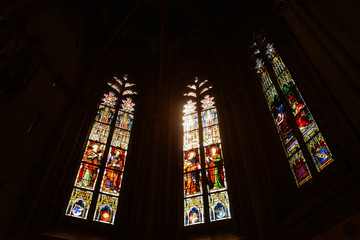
<point>104,157</point>
<point>204,178</point>
<point>298,131</point>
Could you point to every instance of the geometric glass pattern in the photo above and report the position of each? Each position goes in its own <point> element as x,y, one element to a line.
<point>204,179</point>
<point>299,116</point>
<point>104,155</point>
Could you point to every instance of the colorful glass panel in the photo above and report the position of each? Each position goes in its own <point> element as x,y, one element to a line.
<point>192,176</point>
<point>111,182</point>
<point>259,65</point>
<point>106,207</point>
<point>219,206</point>
<point>109,99</point>
<point>192,87</point>
<point>87,176</point>
<point>129,84</point>
<point>207,102</point>
<point>193,211</point>
<point>190,122</point>
<point>320,152</point>
<point>202,83</point>
<point>79,203</point>
<point>99,132</point>
<point>93,152</point>
<point>190,94</point>
<point>129,92</point>
<point>191,140</point>
<point>120,138</point>
<point>124,120</point>
<point>281,121</point>
<point>105,114</point>
<point>190,107</point>
<point>127,105</point>
<point>116,159</point>
<point>114,87</point>
<point>211,135</point>
<point>276,61</point>
<point>118,80</point>
<point>299,168</point>
<point>266,80</point>
<point>209,117</point>
<point>205,89</point>
<point>215,170</point>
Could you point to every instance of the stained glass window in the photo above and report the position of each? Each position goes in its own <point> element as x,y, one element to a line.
<point>204,172</point>
<point>294,122</point>
<point>104,155</point>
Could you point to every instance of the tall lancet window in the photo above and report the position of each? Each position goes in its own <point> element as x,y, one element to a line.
<point>205,188</point>
<point>298,131</point>
<point>103,160</point>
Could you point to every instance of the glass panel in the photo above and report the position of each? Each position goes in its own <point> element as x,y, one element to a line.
<point>259,65</point>
<point>106,207</point>
<point>127,105</point>
<point>79,203</point>
<point>109,99</point>
<point>207,102</point>
<point>190,122</point>
<point>299,168</point>
<point>306,124</point>
<point>111,182</point>
<point>320,152</point>
<point>120,138</point>
<point>276,61</point>
<point>191,160</point>
<point>213,154</point>
<point>266,80</point>
<point>99,132</point>
<point>189,107</point>
<point>190,94</point>
<point>105,114</point>
<point>193,211</point>
<point>116,159</point>
<point>191,140</point>
<point>94,152</point>
<point>192,180</point>
<point>87,176</point>
<point>209,117</point>
<point>219,206</point>
<point>211,135</point>
<point>216,177</point>
<point>281,121</point>
<point>124,120</point>
<point>114,87</point>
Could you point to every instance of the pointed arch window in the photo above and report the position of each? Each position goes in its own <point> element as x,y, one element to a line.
<point>299,133</point>
<point>205,187</point>
<point>101,170</point>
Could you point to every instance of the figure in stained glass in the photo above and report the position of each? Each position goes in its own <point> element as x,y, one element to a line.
<point>100,132</point>
<point>216,175</point>
<point>124,120</point>
<point>191,167</point>
<point>87,176</point>
<point>105,114</point>
<point>209,117</point>
<point>116,159</point>
<point>281,120</point>
<point>111,181</point>
<point>94,153</point>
